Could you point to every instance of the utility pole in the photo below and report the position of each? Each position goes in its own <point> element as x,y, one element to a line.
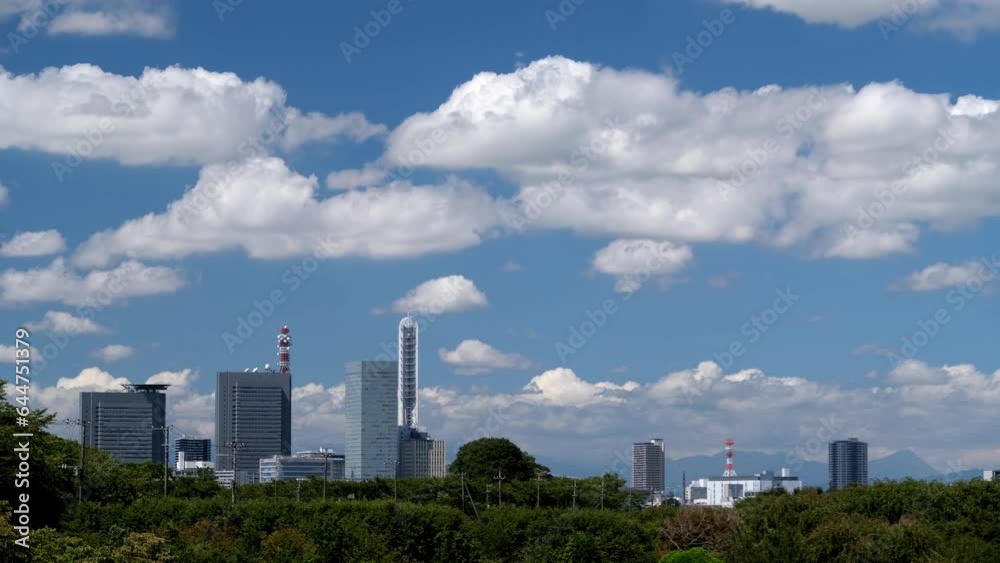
<point>326,469</point>
<point>574,493</point>
<point>166,453</point>
<point>499,478</point>
<point>538,488</point>
<point>236,459</point>
<point>602,493</point>
<point>488,487</point>
<point>83,452</point>
<point>395,475</point>
<point>298,489</point>
<point>462,475</point>
<point>684,494</point>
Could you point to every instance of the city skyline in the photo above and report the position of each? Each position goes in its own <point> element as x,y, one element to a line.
<point>656,219</point>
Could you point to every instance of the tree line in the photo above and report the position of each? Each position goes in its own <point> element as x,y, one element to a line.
<point>124,516</point>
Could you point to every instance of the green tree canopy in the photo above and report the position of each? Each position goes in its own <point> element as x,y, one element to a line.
<point>696,555</point>
<point>482,458</point>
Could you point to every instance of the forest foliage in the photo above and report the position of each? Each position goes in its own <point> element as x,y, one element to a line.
<point>124,517</point>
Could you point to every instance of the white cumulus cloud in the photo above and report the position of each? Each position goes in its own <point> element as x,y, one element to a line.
<point>942,275</point>
<point>964,18</point>
<point>473,357</point>
<point>173,115</point>
<point>269,211</point>
<point>632,262</point>
<point>61,321</point>
<point>630,154</point>
<point>441,295</point>
<point>114,352</point>
<point>36,243</point>
<point>142,18</point>
<point>57,282</point>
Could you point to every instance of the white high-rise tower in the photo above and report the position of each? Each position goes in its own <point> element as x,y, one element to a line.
<point>408,351</point>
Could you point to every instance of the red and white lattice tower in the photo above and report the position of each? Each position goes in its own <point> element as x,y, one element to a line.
<point>284,355</point>
<point>730,471</point>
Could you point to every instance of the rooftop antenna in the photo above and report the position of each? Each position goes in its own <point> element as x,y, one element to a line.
<point>254,370</point>
<point>284,350</point>
<point>246,370</point>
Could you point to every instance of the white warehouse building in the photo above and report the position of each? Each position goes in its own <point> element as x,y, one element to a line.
<point>725,491</point>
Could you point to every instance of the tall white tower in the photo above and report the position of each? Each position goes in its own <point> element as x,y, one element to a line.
<point>409,349</point>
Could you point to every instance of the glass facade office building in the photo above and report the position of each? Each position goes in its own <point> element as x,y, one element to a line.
<point>372,436</point>
<point>302,466</point>
<point>128,425</point>
<point>253,420</point>
<point>194,449</point>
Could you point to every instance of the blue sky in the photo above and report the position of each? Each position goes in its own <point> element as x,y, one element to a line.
<point>663,140</point>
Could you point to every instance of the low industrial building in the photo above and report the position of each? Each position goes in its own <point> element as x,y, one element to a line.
<point>302,466</point>
<point>726,490</point>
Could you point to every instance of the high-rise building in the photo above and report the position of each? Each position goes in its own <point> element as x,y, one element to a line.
<point>253,420</point>
<point>420,455</point>
<point>194,449</point>
<point>372,435</point>
<point>848,463</point>
<point>409,348</point>
<point>302,466</point>
<point>128,425</point>
<point>649,466</point>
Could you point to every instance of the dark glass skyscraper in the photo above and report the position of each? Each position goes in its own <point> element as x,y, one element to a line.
<point>848,463</point>
<point>648,466</point>
<point>128,425</point>
<point>253,420</point>
<point>195,449</point>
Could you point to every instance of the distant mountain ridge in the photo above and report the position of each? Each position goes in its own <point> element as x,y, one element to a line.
<point>896,466</point>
